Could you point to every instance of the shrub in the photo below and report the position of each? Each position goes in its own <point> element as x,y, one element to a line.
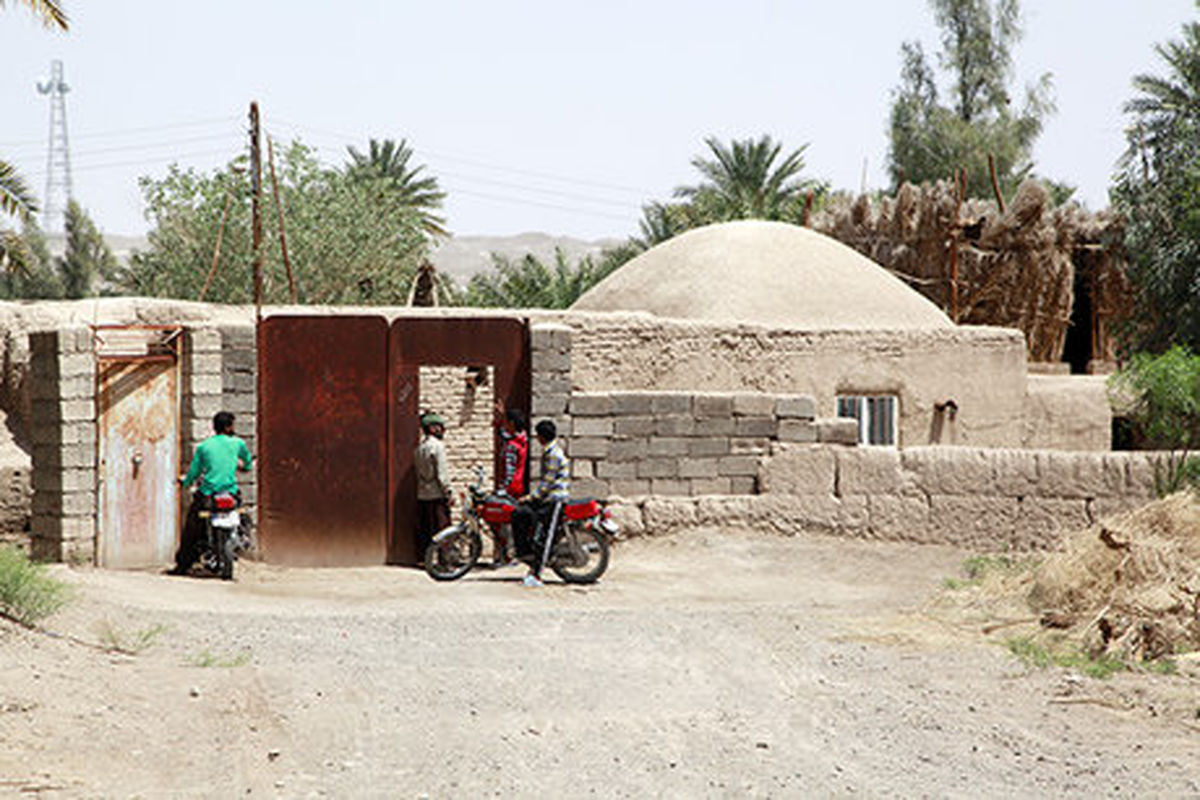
<point>27,593</point>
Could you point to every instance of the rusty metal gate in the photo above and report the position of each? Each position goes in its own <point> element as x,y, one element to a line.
<point>338,425</point>
<point>138,444</point>
<point>322,429</point>
<point>433,341</point>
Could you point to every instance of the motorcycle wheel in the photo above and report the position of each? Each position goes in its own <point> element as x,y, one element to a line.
<point>227,554</point>
<point>452,553</point>
<point>581,556</point>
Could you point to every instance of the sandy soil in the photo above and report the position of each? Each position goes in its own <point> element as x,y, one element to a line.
<point>703,665</point>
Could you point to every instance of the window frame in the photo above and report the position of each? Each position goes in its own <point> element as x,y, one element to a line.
<point>865,410</point>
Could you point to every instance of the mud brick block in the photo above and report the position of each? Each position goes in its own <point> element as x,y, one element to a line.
<point>203,364</point>
<point>675,425</point>
<point>756,426</point>
<point>667,446</point>
<point>592,426</point>
<point>950,470</point>
<point>591,405</point>
<point>197,429</point>
<point>895,517</point>
<point>589,447</point>
<point>716,426</point>
<point>743,485</point>
<point>737,466</point>
<point>708,406</point>
<point>871,471</point>
<point>670,487</point>
<point>549,405</point>
<point>549,336</point>
<point>803,431</point>
<point>582,467</point>
<point>658,468</point>
<point>237,337</point>
<point>708,447</point>
<point>589,487</point>
<point>753,404</point>
<point>72,387</point>
<point>63,528</point>
<point>202,340</point>
<point>239,360</point>
<point>551,361</point>
<point>630,488</point>
<point>671,403</point>
<point>749,446</point>
<point>240,405</point>
<point>837,430</point>
<point>697,468</point>
<point>627,450</point>
<point>64,504</point>
<point>202,406</point>
<point>65,479</point>
<point>633,426</point>
<point>556,384</point>
<point>703,486</point>
<point>616,470</point>
<point>631,403</point>
<point>240,382</point>
<point>795,406</point>
<point>67,456</point>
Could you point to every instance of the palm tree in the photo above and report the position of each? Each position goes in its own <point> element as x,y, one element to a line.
<point>743,181</point>
<point>15,198</point>
<point>388,161</point>
<point>1167,102</point>
<point>50,11</point>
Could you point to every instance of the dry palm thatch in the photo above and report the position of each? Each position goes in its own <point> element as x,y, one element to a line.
<point>1015,268</point>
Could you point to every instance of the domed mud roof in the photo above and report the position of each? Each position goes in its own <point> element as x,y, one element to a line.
<point>766,273</point>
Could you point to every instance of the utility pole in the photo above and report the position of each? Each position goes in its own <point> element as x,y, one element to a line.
<point>58,157</point>
<point>255,206</point>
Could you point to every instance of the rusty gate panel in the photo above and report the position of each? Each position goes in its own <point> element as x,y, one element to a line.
<point>138,444</point>
<point>442,341</point>
<point>322,428</point>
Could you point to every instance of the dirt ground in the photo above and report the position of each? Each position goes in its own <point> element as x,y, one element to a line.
<point>707,664</point>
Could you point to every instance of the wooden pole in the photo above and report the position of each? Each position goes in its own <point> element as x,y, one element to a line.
<point>255,207</point>
<point>212,270</point>
<point>995,183</point>
<point>955,225</point>
<point>287,262</point>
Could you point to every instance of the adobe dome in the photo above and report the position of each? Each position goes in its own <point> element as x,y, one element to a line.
<point>768,273</point>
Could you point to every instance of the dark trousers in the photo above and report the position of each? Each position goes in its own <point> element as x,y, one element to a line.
<point>191,538</point>
<point>531,526</point>
<point>432,516</point>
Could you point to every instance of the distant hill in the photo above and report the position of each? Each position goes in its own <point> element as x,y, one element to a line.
<point>461,257</point>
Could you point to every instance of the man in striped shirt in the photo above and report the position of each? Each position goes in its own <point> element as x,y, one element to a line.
<point>544,502</point>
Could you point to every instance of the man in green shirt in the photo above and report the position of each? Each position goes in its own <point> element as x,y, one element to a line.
<point>215,464</point>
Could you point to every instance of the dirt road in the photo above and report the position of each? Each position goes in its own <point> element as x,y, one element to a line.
<point>712,664</point>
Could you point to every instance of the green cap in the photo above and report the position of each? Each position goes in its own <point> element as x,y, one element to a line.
<point>432,419</point>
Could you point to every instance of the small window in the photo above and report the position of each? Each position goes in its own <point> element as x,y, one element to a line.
<point>876,415</point>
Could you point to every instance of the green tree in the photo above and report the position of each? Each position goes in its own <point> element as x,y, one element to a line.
<point>1162,393</point>
<point>746,180</point>
<point>529,283</point>
<point>348,242</point>
<point>87,256</point>
<point>387,164</point>
<point>1158,192</point>
<point>38,279</point>
<point>930,140</point>
<point>50,12</point>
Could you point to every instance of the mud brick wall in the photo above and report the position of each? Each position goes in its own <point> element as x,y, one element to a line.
<point>239,395</point>
<point>470,437</point>
<point>685,443</point>
<point>550,362</point>
<point>16,495</point>
<point>982,499</point>
<point>63,432</point>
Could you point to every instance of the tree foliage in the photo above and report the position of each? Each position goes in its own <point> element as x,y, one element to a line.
<point>50,12</point>
<point>1158,192</point>
<point>1164,391</point>
<point>388,162</point>
<point>527,282</point>
<point>747,180</point>
<point>350,239</point>
<point>931,140</point>
<point>87,257</point>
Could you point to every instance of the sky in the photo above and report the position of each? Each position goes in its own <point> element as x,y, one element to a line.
<point>558,116</point>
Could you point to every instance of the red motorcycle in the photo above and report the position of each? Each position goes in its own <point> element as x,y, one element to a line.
<point>577,549</point>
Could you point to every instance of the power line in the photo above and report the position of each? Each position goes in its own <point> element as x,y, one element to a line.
<point>155,160</point>
<point>538,204</point>
<point>126,131</point>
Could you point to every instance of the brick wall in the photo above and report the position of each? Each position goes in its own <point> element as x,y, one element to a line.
<point>470,437</point>
<point>239,395</point>
<point>984,499</point>
<point>685,443</point>
<point>63,421</point>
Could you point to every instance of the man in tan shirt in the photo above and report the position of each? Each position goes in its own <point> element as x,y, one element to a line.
<point>433,482</point>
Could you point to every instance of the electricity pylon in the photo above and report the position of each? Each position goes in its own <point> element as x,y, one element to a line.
<point>58,157</point>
